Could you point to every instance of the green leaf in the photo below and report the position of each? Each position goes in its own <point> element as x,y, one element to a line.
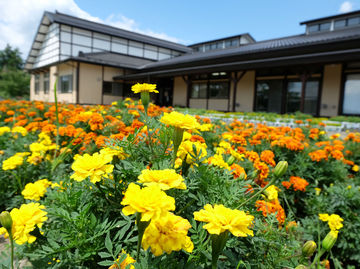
<point>108,243</point>
<point>106,263</point>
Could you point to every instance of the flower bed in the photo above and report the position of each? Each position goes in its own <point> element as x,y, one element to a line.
<point>113,186</point>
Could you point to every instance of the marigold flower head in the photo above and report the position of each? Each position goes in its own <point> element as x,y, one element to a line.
<point>186,151</point>
<point>150,201</point>
<point>299,184</point>
<point>25,219</point>
<point>179,120</point>
<point>144,87</point>
<point>94,166</point>
<point>124,264</point>
<point>167,234</point>
<point>114,151</point>
<point>14,161</point>
<point>4,130</point>
<point>36,190</point>
<point>270,208</point>
<point>166,179</point>
<point>220,219</point>
<point>272,192</point>
<point>334,221</point>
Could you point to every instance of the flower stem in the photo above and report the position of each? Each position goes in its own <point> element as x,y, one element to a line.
<point>12,249</point>
<point>218,244</point>
<point>141,226</point>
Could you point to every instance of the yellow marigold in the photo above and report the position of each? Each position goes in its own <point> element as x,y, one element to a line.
<point>220,219</point>
<point>25,219</point>
<point>355,168</point>
<point>36,190</point>
<point>165,179</point>
<point>14,161</point>
<point>124,264</point>
<point>150,201</point>
<point>186,150</point>
<point>180,120</point>
<point>167,234</point>
<point>206,127</point>
<point>4,130</point>
<point>19,129</point>
<point>94,166</point>
<point>217,160</point>
<point>272,192</point>
<point>117,151</point>
<point>334,221</point>
<point>144,87</point>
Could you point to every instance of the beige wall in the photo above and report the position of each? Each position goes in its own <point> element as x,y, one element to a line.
<point>197,103</point>
<point>180,92</point>
<point>108,99</point>
<point>32,87</point>
<point>219,104</point>
<point>90,85</point>
<point>245,92</point>
<point>331,85</point>
<point>110,72</point>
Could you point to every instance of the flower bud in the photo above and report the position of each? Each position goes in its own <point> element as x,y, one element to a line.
<point>6,220</point>
<point>329,240</point>
<point>231,160</point>
<point>301,266</point>
<point>309,248</point>
<point>281,168</point>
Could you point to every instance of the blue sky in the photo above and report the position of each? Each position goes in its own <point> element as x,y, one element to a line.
<point>183,21</point>
<point>199,20</point>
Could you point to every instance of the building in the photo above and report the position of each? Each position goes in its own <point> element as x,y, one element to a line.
<point>317,72</point>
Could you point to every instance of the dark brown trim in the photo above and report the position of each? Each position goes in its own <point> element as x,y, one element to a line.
<point>303,78</point>
<point>188,84</point>
<point>320,90</point>
<point>77,83</point>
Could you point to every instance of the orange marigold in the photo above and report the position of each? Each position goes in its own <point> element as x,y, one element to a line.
<point>268,157</point>
<point>299,184</point>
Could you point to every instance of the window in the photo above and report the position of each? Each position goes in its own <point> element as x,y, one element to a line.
<point>325,26</point>
<point>65,84</point>
<point>269,95</point>
<point>81,40</point>
<point>65,49</point>
<point>313,28</point>
<point>218,90</point>
<point>352,94</point>
<point>198,90</point>
<point>37,84</point>
<point>46,83</point>
<point>339,24</point>
<point>112,88</point>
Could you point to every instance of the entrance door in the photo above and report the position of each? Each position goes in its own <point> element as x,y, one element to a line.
<point>306,102</point>
<point>165,95</point>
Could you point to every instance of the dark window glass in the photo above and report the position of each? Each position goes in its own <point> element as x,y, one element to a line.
<point>353,21</point>
<point>352,94</point>
<point>227,43</point>
<point>218,90</point>
<point>46,83</point>
<point>128,92</point>
<point>293,96</point>
<point>313,28</point>
<point>339,24</point>
<point>213,46</point>
<point>311,97</point>
<point>268,95</point>
<point>37,84</point>
<point>207,47</point>
<point>325,26</point>
<point>219,45</point>
<point>107,87</point>
<point>235,42</point>
<point>198,90</point>
<point>65,84</point>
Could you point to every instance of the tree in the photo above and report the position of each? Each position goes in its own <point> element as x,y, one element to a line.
<point>14,82</point>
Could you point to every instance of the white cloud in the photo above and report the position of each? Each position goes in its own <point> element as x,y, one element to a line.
<point>19,20</point>
<point>346,6</point>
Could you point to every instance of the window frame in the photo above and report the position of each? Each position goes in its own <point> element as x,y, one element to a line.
<point>37,83</point>
<point>46,82</point>
<point>345,73</point>
<point>61,89</point>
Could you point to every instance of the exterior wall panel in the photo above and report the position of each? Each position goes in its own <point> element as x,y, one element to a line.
<point>108,99</point>
<point>198,103</point>
<point>110,72</point>
<point>218,104</point>
<point>331,90</point>
<point>245,92</point>
<point>180,92</point>
<point>90,85</point>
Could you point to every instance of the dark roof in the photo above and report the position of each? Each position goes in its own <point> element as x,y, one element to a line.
<point>106,29</point>
<point>332,17</point>
<point>112,59</point>
<point>224,38</point>
<point>268,46</point>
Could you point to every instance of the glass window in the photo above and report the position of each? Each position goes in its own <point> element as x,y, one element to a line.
<point>119,40</point>
<point>207,47</point>
<point>81,40</point>
<point>112,88</point>
<point>198,90</point>
<point>213,46</point>
<point>339,24</point>
<point>227,43</point>
<point>76,49</point>
<point>150,54</point>
<point>65,84</point>
<point>352,94</point>
<point>65,36</point>
<point>325,26</point>
<point>101,36</point>
<point>65,27</point>
<point>218,90</point>
<point>269,95</point>
<point>135,51</point>
<point>65,49</point>
<point>101,44</point>
<point>313,28</point>
<point>107,87</point>
<point>81,32</point>
<point>293,96</point>
<point>311,97</point>
<point>120,48</point>
<point>37,83</point>
<point>46,82</point>
<point>353,21</point>
<point>235,42</point>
